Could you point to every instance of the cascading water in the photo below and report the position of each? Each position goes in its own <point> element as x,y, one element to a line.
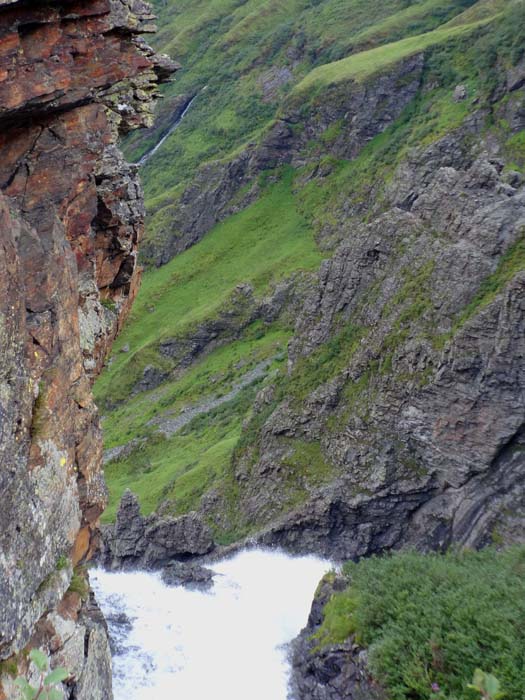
<point>228,644</point>
<point>170,131</point>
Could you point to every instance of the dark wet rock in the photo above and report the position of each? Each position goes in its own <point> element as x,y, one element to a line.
<point>516,77</point>
<point>189,575</point>
<point>333,672</point>
<point>128,531</point>
<point>152,377</point>
<point>120,619</point>
<point>119,625</point>
<point>152,542</point>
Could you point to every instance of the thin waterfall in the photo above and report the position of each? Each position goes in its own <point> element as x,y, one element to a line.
<point>170,131</point>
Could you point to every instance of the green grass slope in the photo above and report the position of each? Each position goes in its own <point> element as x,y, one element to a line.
<point>362,65</point>
<point>178,470</point>
<point>232,50</point>
<point>262,245</point>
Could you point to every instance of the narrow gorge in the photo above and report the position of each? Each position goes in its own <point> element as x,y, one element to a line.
<point>285,319</point>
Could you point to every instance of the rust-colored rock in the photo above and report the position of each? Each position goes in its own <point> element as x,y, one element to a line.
<point>73,76</point>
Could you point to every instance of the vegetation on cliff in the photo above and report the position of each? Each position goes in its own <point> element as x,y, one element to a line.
<point>257,62</point>
<point>247,58</point>
<point>327,349</point>
<point>429,621</point>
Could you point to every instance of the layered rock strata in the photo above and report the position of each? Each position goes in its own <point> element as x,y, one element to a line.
<point>74,75</point>
<point>419,429</point>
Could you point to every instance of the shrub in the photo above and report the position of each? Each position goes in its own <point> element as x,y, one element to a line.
<point>432,620</point>
<point>79,584</point>
<point>46,688</point>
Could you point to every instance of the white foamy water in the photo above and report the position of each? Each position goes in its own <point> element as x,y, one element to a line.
<point>228,644</point>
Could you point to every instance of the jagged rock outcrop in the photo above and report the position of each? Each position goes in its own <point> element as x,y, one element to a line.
<point>192,576</point>
<point>329,672</point>
<point>420,427</point>
<point>73,76</point>
<point>152,542</point>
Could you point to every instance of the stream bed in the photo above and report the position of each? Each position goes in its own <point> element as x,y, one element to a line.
<point>226,644</point>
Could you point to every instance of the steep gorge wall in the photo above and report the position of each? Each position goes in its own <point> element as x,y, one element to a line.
<point>399,419</point>
<point>74,75</point>
<point>421,417</point>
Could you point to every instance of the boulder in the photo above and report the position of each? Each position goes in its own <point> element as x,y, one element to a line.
<point>191,576</point>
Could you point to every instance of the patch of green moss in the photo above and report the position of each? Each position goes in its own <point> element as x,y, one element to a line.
<point>515,147</point>
<point>79,583</point>
<point>414,289</point>
<point>324,364</point>
<point>63,562</point>
<point>362,65</point>
<point>305,468</point>
<point>338,623</point>
<point>109,304</point>
<point>9,667</point>
<point>178,471</point>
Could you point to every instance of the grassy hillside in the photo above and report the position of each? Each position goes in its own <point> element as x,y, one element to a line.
<point>232,50</point>
<point>230,47</point>
<point>261,246</point>
<point>177,470</point>
<point>362,65</point>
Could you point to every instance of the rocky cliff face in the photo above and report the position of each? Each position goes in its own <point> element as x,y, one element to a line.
<point>398,419</point>
<point>152,542</point>
<point>73,77</point>
<point>423,421</point>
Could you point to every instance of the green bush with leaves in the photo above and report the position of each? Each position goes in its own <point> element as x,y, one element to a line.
<point>46,688</point>
<point>429,621</point>
<point>486,684</point>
